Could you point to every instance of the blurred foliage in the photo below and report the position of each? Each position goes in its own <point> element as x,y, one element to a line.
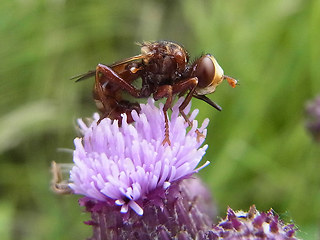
<point>259,149</point>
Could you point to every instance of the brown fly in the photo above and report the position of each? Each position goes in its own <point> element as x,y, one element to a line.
<point>165,72</point>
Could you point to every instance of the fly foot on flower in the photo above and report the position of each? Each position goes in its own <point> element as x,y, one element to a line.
<point>166,141</point>
<point>190,123</point>
<point>199,135</point>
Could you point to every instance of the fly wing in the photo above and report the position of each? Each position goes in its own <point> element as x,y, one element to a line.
<point>117,67</point>
<point>127,60</point>
<point>83,76</point>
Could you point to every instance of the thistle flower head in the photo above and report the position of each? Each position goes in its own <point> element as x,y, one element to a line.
<point>252,225</point>
<point>124,165</point>
<point>313,118</point>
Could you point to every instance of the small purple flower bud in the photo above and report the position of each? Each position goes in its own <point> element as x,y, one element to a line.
<point>313,118</point>
<point>252,225</point>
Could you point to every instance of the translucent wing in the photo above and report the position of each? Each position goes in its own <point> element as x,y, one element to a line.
<point>117,66</point>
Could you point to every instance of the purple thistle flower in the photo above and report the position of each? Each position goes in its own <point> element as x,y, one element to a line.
<point>182,211</point>
<point>252,225</point>
<point>137,188</point>
<point>126,165</point>
<point>313,118</point>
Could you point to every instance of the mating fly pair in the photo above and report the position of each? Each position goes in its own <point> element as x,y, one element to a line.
<point>165,72</point>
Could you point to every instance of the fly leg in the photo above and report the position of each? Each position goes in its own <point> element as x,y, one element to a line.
<point>165,91</point>
<point>112,78</point>
<point>105,77</point>
<point>188,84</point>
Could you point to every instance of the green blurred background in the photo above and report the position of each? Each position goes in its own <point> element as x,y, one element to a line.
<point>260,151</point>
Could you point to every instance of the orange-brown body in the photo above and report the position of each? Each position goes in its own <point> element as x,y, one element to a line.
<point>164,70</point>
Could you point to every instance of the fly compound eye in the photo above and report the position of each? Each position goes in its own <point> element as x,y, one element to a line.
<point>204,71</point>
